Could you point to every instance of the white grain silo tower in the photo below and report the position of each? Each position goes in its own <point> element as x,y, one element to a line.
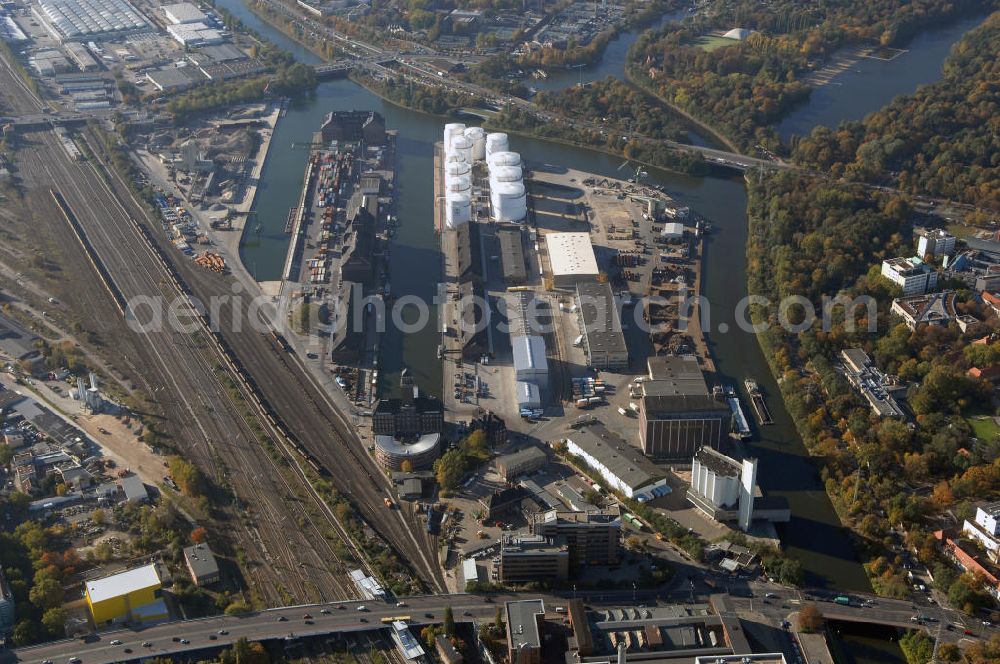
<point>455,168</point>
<point>496,142</point>
<point>504,159</point>
<point>509,200</point>
<point>505,174</point>
<point>458,209</point>
<point>478,137</point>
<point>451,130</point>
<point>462,146</point>
<point>459,183</point>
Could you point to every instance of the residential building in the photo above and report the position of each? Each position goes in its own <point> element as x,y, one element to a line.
<point>985,529</point>
<point>911,274</point>
<point>592,537</point>
<point>132,596</point>
<point>525,558</point>
<point>524,626</point>
<point>932,309</point>
<point>522,462</point>
<point>601,325</point>
<point>571,258</point>
<point>876,387</point>
<point>446,651</point>
<point>619,464</point>
<point>934,243</point>
<point>201,564</point>
<point>965,555</point>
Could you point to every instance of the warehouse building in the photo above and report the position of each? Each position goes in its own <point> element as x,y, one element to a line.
<point>522,462</point>
<point>92,20</point>
<point>410,415</point>
<point>677,413</point>
<point>620,465</point>
<point>367,126</point>
<point>183,12</point>
<point>82,57</point>
<point>512,256</point>
<point>529,359</point>
<point>132,596</point>
<point>600,322</point>
<point>571,257</point>
<point>201,564</point>
<point>529,396</point>
<point>470,255</point>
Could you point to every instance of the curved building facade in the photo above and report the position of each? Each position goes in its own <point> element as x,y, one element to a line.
<point>391,452</point>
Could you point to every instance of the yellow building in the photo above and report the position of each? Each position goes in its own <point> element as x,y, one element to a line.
<point>132,596</point>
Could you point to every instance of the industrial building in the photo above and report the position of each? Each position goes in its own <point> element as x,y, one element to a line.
<point>530,363</point>
<point>677,413</point>
<point>620,465</point>
<point>571,258</point>
<point>473,337</point>
<point>92,20</point>
<point>726,490</point>
<point>354,126</point>
<point>524,638</point>
<point>911,274</point>
<point>529,396</point>
<point>132,596</point>
<point>183,12</point>
<point>592,537</point>
<point>524,558</point>
<point>82,57</point>
<point>195,34</point>
<point>601,325</point>
<point>522,462</point>
<point>201,564</point>
<point>932,309</point>
<point>133,489</point>
<point>410,415</point>
<point>876,387</point>
<point>512,256</point>
<point>934,243</point>
<point>469,245</point>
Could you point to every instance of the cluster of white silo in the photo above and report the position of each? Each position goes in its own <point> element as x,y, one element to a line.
<point>507,194</point>
<point>458,175</point>
<point>465,145</point>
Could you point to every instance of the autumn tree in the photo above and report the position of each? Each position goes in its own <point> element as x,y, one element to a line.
<point>810,618</point>
<point>199,535</point>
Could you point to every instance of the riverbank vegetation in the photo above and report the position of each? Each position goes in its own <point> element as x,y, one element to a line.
<point>745,87</point>
<point>940,141</point>
<point>888,481</point>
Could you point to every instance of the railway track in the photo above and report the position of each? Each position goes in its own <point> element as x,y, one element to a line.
<point>296,561</point>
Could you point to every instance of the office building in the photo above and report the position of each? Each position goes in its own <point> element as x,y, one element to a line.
<point>934,243</point>
<point>876,387</point>
<point>525,558</point>
<point>677,413</point>
<point>201,564</point>
<point>911,274</point>
<point>619,464</point>
<point>571,258</point>
<point>985,529</point>
<point>601,325</point>
<point>132,596</point>
<point>931,309</point>
<point>592,537</point>
<point>524,631</point>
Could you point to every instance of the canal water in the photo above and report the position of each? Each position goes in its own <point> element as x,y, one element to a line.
<point>870,84</point>
<point>814,535</point>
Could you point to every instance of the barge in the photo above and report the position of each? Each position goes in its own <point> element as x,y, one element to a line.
<point>757,401</point>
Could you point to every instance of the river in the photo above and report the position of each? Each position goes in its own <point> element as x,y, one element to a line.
<point>870,84</point>
<point>814,535</point>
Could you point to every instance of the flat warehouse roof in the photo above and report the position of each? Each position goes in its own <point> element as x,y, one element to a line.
<point>571,253</point>
<point>521,626</point>
<point>123,583</point>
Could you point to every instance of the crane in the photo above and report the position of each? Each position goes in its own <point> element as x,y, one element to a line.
<point>639,173</point>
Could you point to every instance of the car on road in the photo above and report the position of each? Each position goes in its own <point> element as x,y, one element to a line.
<point>428,615</point>
<point>467,613</point>
<point>185,642</point>
<point>147,644</point>
<point>127,650</point>
<point>364,620</point>
<point>362,608</point>
<point>400,603</point>
<point>212,637</point>
<point>771,595</point>
<point>307,617</point>
<point>324,611</point>
<point>116,642</point>
<point>282,619</point>
<point>74,660</point>
<point>223,632</point>
<point>46,661</point>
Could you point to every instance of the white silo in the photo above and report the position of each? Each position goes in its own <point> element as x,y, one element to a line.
<point>509,201</point>
<point>504,159</point>
<point>458,209</point>
<point>496,142</point>
<point>457,168</point>
<point>451,130</point>
<point>505,174</point>
<point>478,137</point>
<point>459,183</point>
<point>462,146</point>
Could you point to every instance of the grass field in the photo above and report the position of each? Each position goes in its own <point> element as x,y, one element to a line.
<point>983,428</point>
<point>710,42</point>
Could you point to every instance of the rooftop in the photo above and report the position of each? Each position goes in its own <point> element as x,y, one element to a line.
<point>672,374</point>
<point>526,455</point>
<point>529,353</point>
<point>907,266</point>
<point>602,323</point>
<point>183,12</point>
<point>123,583</point>
<point>571,254</point>
<point>993,509</point>
<point>201,560</point>
<point>522,625</point>
<point>718,463</point>
<point>624,461</point>
<point>929,308</point>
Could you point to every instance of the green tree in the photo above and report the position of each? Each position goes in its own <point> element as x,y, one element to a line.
<point>54,620</point>
<point>46,593</point>
<point>449,622</point>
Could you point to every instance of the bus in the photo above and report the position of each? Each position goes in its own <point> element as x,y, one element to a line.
<point>388,620</point>
<point>842,599</point>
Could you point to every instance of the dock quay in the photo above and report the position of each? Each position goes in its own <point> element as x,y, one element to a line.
<point>290,220</point>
